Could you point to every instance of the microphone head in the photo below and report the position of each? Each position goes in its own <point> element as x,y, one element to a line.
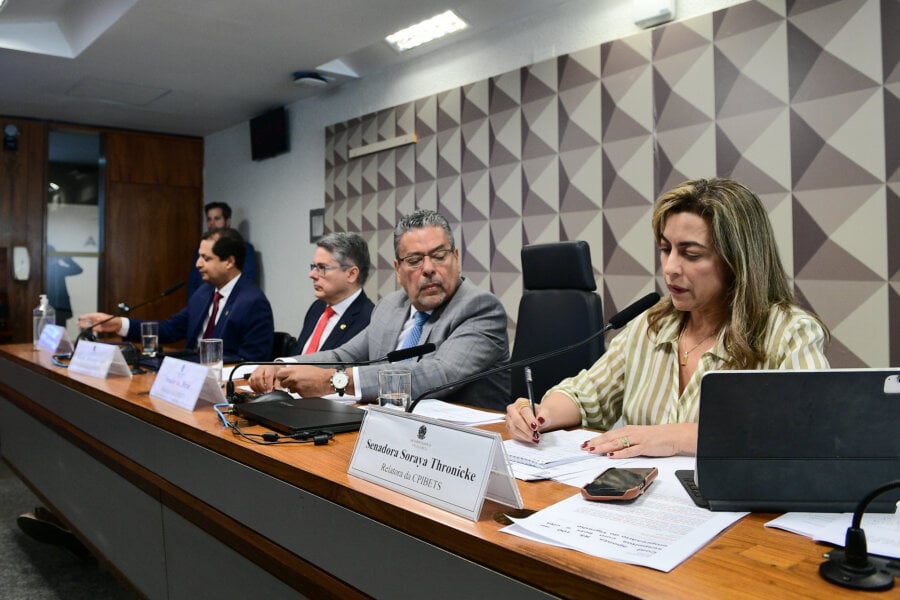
<point>621,318</point>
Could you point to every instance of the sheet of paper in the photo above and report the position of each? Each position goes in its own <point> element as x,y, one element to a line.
<point>660,529</point>
<point>555,448</point>
<point>456,413</point>
<point>581,472</point>
<point>882,529</point>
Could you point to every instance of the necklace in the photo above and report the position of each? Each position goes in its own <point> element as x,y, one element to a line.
<point>684,355</point>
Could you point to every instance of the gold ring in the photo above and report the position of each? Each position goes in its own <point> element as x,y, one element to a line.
<point>625,442</point>
<point>522,403</point>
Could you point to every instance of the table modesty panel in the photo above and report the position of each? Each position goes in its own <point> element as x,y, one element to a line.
<point>339,541</point>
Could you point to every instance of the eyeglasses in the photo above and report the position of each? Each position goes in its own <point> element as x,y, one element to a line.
<point>415,261</point>
<point>322,270</point>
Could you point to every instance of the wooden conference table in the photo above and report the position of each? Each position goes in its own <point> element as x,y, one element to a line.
<point>181,508</point>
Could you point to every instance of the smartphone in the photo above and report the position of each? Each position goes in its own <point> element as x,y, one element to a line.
<point>619,484</point>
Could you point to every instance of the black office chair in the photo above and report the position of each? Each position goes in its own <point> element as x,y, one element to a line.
<point>283,344</point>
<point>558,307</point>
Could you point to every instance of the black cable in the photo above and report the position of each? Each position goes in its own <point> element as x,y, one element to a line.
<point>317,438</point>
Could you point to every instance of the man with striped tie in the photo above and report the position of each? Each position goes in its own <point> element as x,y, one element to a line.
<point>436,305</point>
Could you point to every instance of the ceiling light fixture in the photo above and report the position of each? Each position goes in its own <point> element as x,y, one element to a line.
<point>2,4</point>
<point>310,78</point>
<point>426,31</point>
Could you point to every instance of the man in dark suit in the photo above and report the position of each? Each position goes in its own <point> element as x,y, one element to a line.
<point>437,305</point>
<point>240,313</point>
<point>218,216</point>
<point>339,270</point>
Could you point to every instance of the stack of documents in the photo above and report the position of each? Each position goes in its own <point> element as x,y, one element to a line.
<point>882,529</point>
<point>455,413</point>
<point>660,529</point>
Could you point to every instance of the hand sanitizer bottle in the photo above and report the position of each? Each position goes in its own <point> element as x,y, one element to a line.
<point>43,315</point>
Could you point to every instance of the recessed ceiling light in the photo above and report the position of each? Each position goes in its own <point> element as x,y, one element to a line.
<point>310,78</point>
<point>426,31</point>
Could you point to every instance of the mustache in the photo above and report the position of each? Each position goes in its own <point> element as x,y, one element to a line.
<point>431,281</point>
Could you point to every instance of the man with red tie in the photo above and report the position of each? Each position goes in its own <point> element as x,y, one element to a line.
<point>339,270</point>
<point>227,306</point>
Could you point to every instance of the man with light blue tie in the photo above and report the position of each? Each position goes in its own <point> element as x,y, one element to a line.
<point>436,305</point>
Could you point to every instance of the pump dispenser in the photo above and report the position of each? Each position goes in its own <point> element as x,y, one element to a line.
<point>43,314</point>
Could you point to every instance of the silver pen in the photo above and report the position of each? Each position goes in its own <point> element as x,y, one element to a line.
<point>536,436</point>
<point>530,389</point>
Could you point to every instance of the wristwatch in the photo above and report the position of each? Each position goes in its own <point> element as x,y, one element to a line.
<point>339,381</point>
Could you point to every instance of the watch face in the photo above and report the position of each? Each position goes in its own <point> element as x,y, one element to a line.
<point>340,380</point>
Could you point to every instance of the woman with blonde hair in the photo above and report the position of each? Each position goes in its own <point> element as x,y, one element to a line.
<point>730,306</point>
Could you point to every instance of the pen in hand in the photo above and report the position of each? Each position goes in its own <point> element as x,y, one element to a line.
<point>536,435</point>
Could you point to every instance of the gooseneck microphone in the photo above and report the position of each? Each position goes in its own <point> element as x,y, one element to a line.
<point>615,322</point>
<point>88,334</point>
<point>392,356</point>
<point>852,567</point>
<point>124,308</point>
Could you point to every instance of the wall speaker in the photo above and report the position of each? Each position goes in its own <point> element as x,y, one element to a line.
<point>269,134</point>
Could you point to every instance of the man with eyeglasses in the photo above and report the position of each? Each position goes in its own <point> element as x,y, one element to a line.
<point>436,305</point>
<point>341,309</point>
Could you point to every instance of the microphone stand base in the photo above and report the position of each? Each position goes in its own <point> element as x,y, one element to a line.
<point>872,577</point>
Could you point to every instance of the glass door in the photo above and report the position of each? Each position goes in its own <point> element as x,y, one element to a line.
<point>74,229</point>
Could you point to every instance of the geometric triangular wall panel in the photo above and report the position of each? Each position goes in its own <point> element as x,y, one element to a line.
<point>800,101</point>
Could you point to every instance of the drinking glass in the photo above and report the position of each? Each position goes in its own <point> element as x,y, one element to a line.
<point>211,350</point>
<point>150,338</point>
<point>394,387</point>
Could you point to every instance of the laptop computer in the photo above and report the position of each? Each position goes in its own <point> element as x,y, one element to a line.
<point>809,441</point>
<point>289,416</point>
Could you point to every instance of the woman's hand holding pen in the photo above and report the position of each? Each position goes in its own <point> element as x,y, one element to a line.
<point>555,411</point>
<point>522,424</point>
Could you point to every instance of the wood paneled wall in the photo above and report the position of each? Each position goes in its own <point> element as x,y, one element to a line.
<point>23,197</point>
<point>154,195</point>
<point>153,218</point>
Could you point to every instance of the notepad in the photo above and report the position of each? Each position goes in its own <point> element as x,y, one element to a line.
<point>555,448</point>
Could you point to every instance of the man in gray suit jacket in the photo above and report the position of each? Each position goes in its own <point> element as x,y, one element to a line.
<point>467,324</point>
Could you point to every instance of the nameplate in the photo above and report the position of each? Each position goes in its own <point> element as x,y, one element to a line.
<point>449,466</point>
<point>54,339</point>
<point>183,383</point>
<point>99,360</point>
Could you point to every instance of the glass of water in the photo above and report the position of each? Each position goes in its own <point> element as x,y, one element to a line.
<point>211,355</point>
<point>394,387</point>
<point>150,338</point>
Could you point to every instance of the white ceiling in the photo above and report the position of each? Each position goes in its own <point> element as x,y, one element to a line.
<point>195,67</point>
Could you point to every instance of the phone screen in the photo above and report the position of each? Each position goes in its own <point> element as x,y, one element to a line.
<point>615,481</point>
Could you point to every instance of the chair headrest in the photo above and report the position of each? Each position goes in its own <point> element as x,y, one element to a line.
<point>558,265</point>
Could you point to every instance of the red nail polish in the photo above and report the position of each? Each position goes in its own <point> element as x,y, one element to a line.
<point>611,454</point>
<point>584,444</point>
<point>591,449</point>
<point>534,425</point>
<point>541,420</point>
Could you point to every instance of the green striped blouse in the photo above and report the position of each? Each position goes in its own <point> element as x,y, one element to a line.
<point>637,377</point>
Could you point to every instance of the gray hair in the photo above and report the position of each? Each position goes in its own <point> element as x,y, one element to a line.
<point>420,219</point>
<point>349,249</point>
